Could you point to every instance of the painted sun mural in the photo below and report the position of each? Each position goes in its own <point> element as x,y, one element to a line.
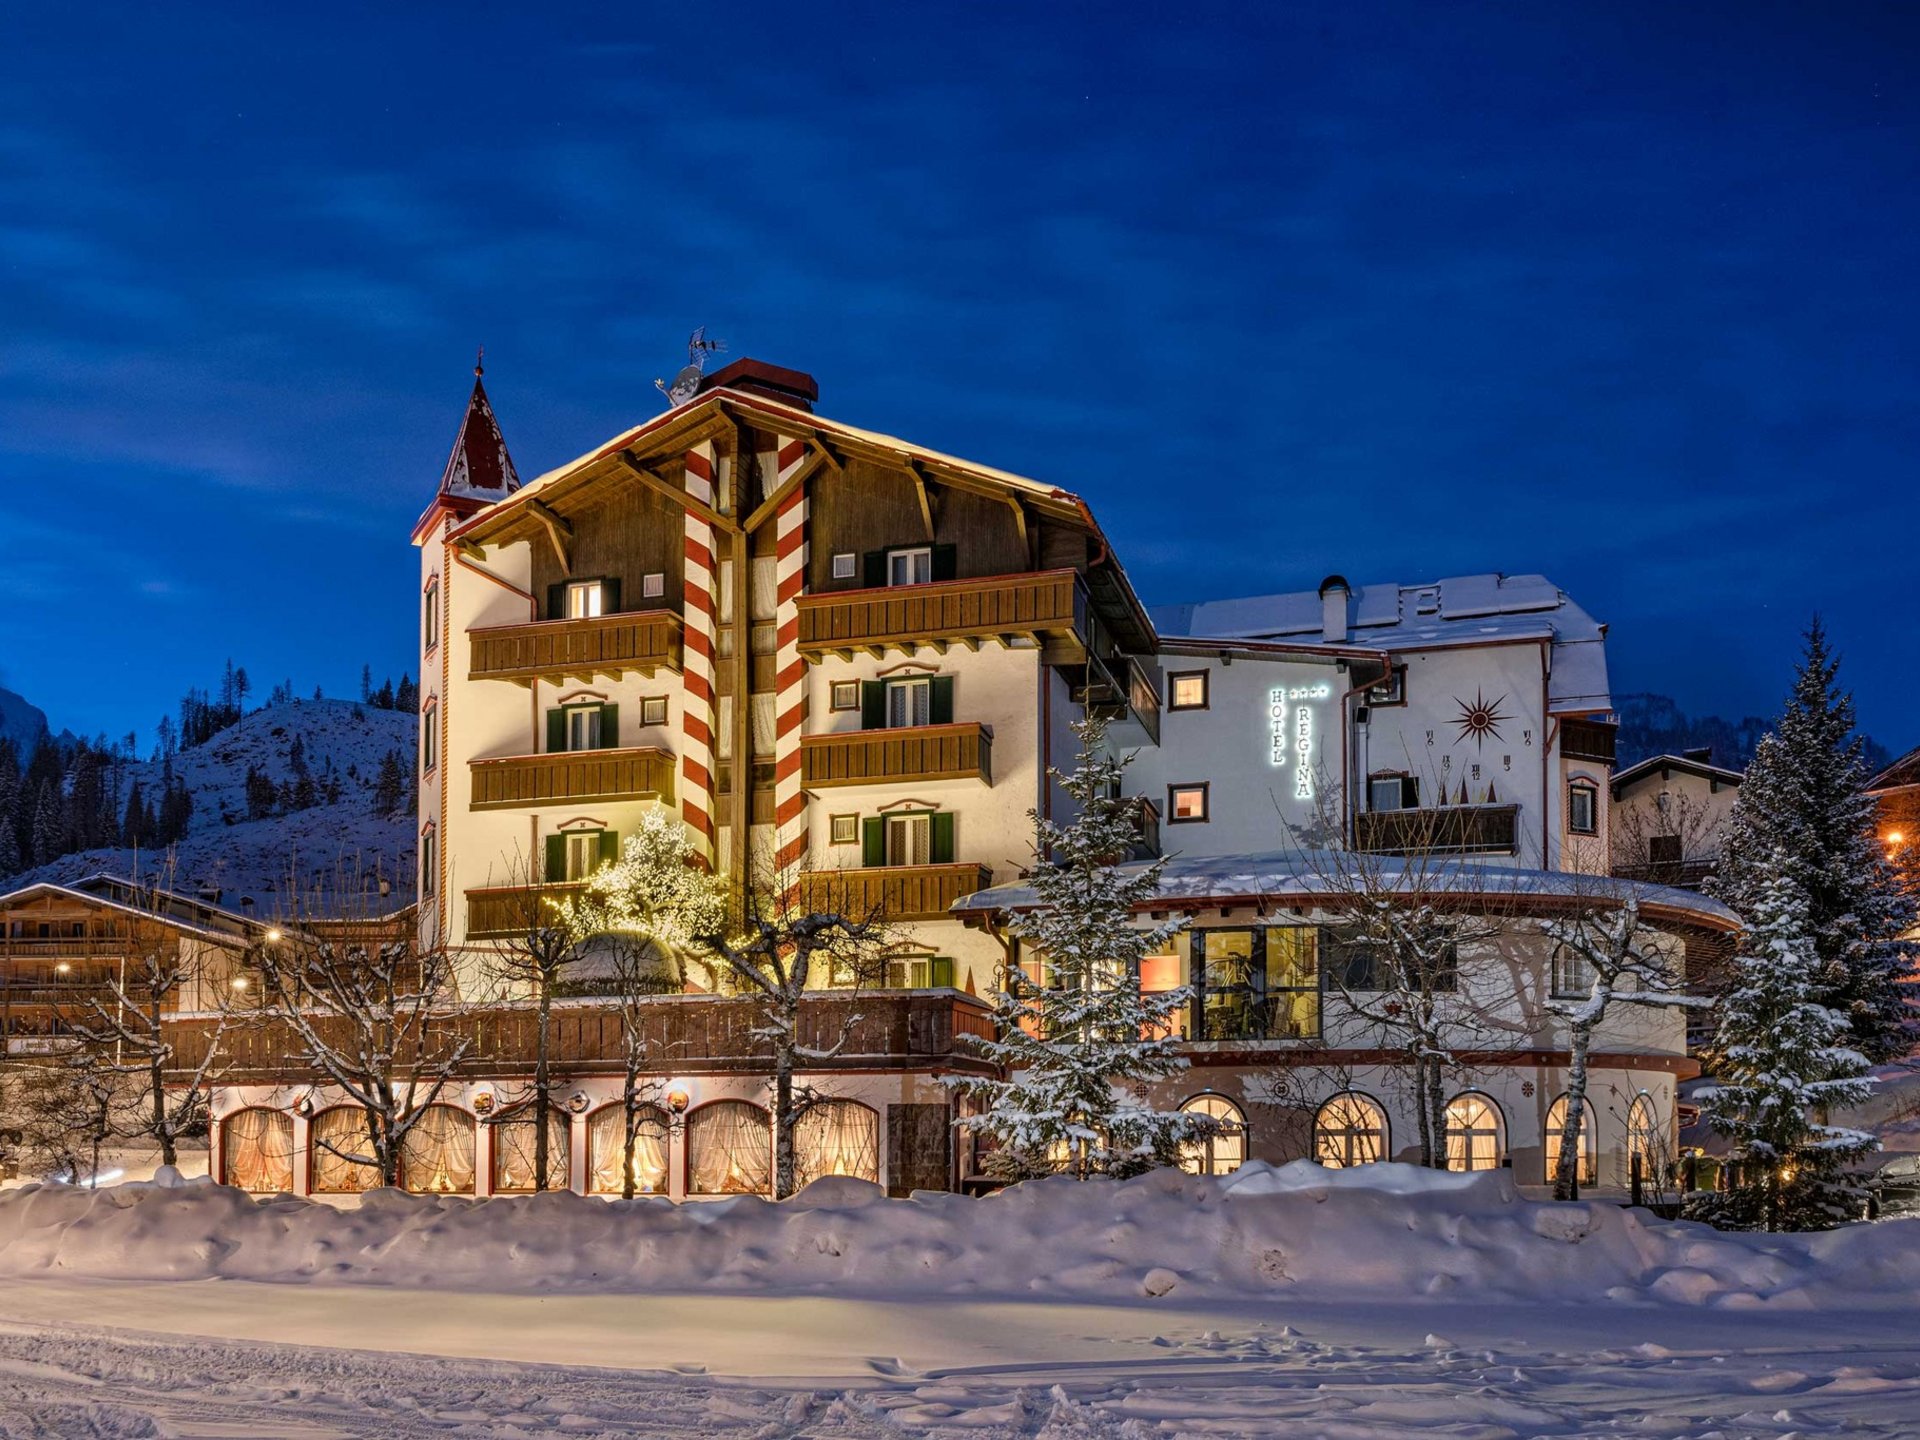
<point>1480,718</point>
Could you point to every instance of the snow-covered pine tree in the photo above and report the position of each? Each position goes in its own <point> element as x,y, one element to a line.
<point>1078,1038</point>
<point>1781,1059</point>
<point>1802,811</point>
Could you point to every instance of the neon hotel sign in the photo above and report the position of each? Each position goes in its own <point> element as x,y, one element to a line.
<point>1291,737</point>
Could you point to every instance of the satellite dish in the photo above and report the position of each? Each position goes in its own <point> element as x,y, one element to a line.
<point>684,384</point>
<point>687,383</point>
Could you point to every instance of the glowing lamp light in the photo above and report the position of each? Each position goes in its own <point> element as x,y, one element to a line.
<point>273,937</point>
<point>63,968</point>
<point>678,1098</point>
<point>1896,837</point>
<point>239,982</point>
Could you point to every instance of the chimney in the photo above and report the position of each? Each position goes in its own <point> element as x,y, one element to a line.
<point>757,377</point>
<point>1334,595</point>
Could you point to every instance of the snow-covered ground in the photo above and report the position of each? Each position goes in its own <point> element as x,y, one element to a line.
<point>1296,1302</point>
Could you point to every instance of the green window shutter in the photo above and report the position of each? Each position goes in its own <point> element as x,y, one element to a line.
<point>556,731</point>
<point>873,842</point>
<point>940,837</point>
<point>940,700</point>
<point>556,858</point>
<point>873,704</point>
<point>946,562</point>
<point>940,972</point>
<point>609,727</point>
<point>556,601</point>
<point>873,568</point>
<point>609,846</point>
<point>610,595</point>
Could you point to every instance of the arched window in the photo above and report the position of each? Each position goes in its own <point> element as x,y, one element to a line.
<point>607,1151</point>
<point>256,1151</point>
<point>1225,1150</point>
<point>837,1137</point>
<point>1647,1138</point>
<point>340,1156</point>
<point>436,1158</point>
<point>1588,1166</point>
<point>1351,1129</point>
<point>729,1149</point>
<point>1473,1133</point>
<point>513,1152</point>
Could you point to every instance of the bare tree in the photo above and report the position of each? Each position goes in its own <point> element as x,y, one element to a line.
<point>1690,829</point>
<point>1603,944</point>
<point>634,977</point>
<point>363,1005</point>
<point>62,1116</point>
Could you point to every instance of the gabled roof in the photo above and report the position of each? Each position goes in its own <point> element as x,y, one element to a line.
<point>1681,763</point>
<point>479,470</point>
<point>1898,776</point>
<point>209,928</point>
<point>1461,610</point>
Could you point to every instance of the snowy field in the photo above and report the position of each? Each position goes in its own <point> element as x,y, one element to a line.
<point>1276,1303</point>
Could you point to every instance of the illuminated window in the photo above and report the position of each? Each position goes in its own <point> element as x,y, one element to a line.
<point>585,599</point>
<point>729,1149</point>
<point>1187,690</point>
<point>1588,1165</point>
<point>513,1153</point>
<point>431,616</point>
<point>1351,1129</point>
<point>653,710</point>
<point>256,1151</point>
<point>844,695</point>
<point>845,829</point>
<point>1186,803</point>
<point>436,1158</point>
<point>1583,808</point>
<point>1646,1140</point>
<point>1259,984</point>
<point>910,567</point>
<point>1473,1133</point>
<point>608,1158</point>
<point>340,1156</point>
<point>1224,1149</point>
<point>837,1137</point>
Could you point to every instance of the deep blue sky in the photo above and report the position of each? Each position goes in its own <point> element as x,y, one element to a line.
<point>1625,294</point>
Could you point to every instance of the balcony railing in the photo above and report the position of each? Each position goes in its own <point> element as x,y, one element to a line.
<point>920,752</point>
<point>896,892</point>
<point>555,650</point>
<point>1681,874</point>
<point>1146,820</point>
<point>1052,604</point>
<point>1449,829</point>
<point>500,911</point>
<point>1588,740</point>
<point>883,1030</point>
<point>578,776</point>
<point>1120,691</point>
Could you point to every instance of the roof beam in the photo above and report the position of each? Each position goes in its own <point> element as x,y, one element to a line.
<point>771,505</point>
<point>661,486</point>
<point>559,531</point>
<point>924,491</point>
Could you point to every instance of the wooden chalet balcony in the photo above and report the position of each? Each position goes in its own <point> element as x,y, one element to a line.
<point>895,1030</point>
<point>1588,740</point>
<point>1049,605</point>
<point>919,752</point>
<point>65,947</point>
<point>1449,829</point>
<point>1679,874</point>
<point>1120,691</point>
<point>576,776</point>
<point>558,650</point>
<point>897,892</point>
<point>497,911</point>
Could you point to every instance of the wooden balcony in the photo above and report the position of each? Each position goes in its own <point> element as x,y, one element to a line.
<point>1449,830</point>
<point>1588,740</point>
<point>919,752</point>
<point>558,650</point>
<point>1119,691</point>
<point>1677,874</point>
<point>577,777</point>
<point>892,1030</point>
<point>496,912</point>
<point>897,892</point>
<point>1003,608</point>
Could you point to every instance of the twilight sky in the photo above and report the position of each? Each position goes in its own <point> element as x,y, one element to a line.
<point>1621,293</point>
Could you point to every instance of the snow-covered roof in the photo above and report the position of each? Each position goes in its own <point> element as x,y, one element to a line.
<point>1283,877</point>
<point>159,913</point>
<point>1461,610</point>
<point>1683,764</point>
<point>1903,772</point>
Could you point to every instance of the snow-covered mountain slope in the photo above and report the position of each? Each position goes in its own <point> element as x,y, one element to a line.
<point>250,862</point>
<point>21,722</point>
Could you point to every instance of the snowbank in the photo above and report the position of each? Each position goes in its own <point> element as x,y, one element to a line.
<point>1383,1232</point>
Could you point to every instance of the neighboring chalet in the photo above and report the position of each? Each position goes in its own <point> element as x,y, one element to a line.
<point>1667,816</point>
<point>845,663</point>
<point>1896,794</point>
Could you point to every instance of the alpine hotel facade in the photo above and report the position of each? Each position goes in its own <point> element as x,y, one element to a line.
<point>848,661</point>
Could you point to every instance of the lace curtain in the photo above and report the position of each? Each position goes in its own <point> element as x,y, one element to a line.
<point>513,1153</point>
<point>437,1156</point>
<point>606,1144</point>
<point>729,1150</point>
<point>256,1149</point>
<point>837,1137</point>
<point>345,1129</point>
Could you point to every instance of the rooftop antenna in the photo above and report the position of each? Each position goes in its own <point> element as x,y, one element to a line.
<point>687,382</point>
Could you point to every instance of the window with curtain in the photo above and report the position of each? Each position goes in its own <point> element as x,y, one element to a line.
<point>1646,1138</point>
<point>1588,1165</point>
<point>513,1152</point>
<point>256,1151</point>
<point>1225,1150</point>
<point>837,1137</point>
<point>1473,1133</point>
<point>606,1152</point>
<point>729,1149</point>
<point>1351,1129</point>
<point>437,1156</point>
<point>333,1136</point>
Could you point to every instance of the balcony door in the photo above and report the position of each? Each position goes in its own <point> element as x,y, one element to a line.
<point>906,702</point>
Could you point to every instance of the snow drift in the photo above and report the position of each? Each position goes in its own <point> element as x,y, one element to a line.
<point>1386,1232</point>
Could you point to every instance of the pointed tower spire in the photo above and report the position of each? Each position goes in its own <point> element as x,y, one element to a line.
<point>479,467</point>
